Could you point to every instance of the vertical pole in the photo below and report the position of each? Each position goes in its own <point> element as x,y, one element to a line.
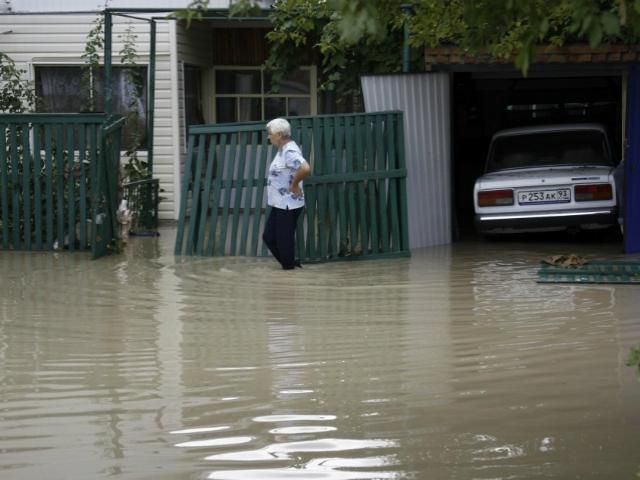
<point>108,21</point>
<point>151,82</point>
<point>631,192</point>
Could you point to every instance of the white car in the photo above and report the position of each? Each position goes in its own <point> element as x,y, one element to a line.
<point>546,178</point>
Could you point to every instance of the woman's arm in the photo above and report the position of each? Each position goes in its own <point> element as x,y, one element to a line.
<point>302,172</point>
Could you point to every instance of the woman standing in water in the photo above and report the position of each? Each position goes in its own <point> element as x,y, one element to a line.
<point>285,193</point>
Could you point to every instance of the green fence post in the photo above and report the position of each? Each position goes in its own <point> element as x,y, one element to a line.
<point>195,197</point>
<point>220,149</point>
<point>48,171</point>
<point>227,186</point>
<point>239,185</point>
<point>4,186</point>
<point>261,179</point>
<point>82,145</point>
<point>248,193</point>
<point>206,196</point>
<point>184,195</point>
<point>71,197</point>
<point>37,183</point>
<point>404,217</point>
<point>15,163</point>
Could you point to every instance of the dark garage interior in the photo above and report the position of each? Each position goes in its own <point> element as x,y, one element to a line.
<point>484,103</point>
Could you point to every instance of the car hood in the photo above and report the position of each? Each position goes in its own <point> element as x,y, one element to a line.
<point>546,176</point>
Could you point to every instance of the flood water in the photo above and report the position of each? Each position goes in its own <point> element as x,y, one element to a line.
<point>451,364</point>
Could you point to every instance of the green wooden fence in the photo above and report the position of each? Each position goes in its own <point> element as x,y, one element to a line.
<point>355,198</point>
<point>58,181</point>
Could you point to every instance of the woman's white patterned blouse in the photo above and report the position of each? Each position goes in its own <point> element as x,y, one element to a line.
<point>281,171</point>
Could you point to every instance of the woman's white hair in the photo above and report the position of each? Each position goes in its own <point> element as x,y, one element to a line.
<point>279,126</point>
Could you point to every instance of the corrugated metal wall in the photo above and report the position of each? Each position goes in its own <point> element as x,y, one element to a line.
<point>425,101</point>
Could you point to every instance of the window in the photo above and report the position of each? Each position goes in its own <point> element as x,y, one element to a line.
<point>60,89</point>
<point>192,97</point>
<point>242,94</point>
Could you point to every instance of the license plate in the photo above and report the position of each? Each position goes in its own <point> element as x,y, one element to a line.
<point>560,195</point>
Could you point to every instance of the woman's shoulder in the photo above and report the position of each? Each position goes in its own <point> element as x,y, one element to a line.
<point>291,146</point>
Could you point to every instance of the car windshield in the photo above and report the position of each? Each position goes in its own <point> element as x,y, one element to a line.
<point>586,147</point>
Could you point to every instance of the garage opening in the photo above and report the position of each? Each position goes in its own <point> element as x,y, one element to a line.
<point>484,103</point>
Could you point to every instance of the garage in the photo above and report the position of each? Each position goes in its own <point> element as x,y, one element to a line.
<point>452,111</point>
<point>485,102</point>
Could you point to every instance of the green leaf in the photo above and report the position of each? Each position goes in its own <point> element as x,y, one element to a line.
<point>610,23</point>
<point>595,35</point>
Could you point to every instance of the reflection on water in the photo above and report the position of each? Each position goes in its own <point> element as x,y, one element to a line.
<point>453,364</point>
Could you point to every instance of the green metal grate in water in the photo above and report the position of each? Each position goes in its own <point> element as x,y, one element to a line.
<point>593,272</point>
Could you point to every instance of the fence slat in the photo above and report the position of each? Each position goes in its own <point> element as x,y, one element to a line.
<point>82,158</point>
<point>362,196</point>
<point>248,193</point>
<point>196,196</point>
<point>71,189</point>
<point>48,160</point>
<point>255,234</point>
<point>60,184</point>
<point>26,187</point>
<point>231,163</point>
<point>37,184</point>
<point>219,156</point>
<point>184,196</point>
<point>321,191</point>
<point>394,162</point>
<point>402,194</point>
<point>381,164</point>
<point>4,187</point>
<point>340,190</point>
<point>371,185</point>
<point>350,186</point>
<point>96,147</point>
<point>330,189</point>
<point>206,199</point>
<point>237,201</point>
<point>13,155</point>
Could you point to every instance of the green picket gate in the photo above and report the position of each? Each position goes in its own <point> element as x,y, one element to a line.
<point>356,204</point>
<point>59,181</point>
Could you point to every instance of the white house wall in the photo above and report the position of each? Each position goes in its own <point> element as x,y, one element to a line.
<point>91,5</point>
<point>194,48</point>
<point>36,39</point>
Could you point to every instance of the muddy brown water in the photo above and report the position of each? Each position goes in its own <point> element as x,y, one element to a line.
<point>451,364</point>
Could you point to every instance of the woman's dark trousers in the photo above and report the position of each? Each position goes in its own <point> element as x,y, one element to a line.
<point>280,233</point>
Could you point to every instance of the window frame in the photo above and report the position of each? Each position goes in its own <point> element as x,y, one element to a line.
<point>74,63</point>
<point>312,96</point>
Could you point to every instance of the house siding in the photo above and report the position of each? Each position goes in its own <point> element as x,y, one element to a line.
<point>41,39</point>
<point>193,48</point>
<point>90,5</point>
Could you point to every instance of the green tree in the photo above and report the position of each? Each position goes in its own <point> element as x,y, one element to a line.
<point>136,167</point>
<point>93,47</point>
<point>16,94</point>
<point>307,31</point>
<point>506,29</point>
